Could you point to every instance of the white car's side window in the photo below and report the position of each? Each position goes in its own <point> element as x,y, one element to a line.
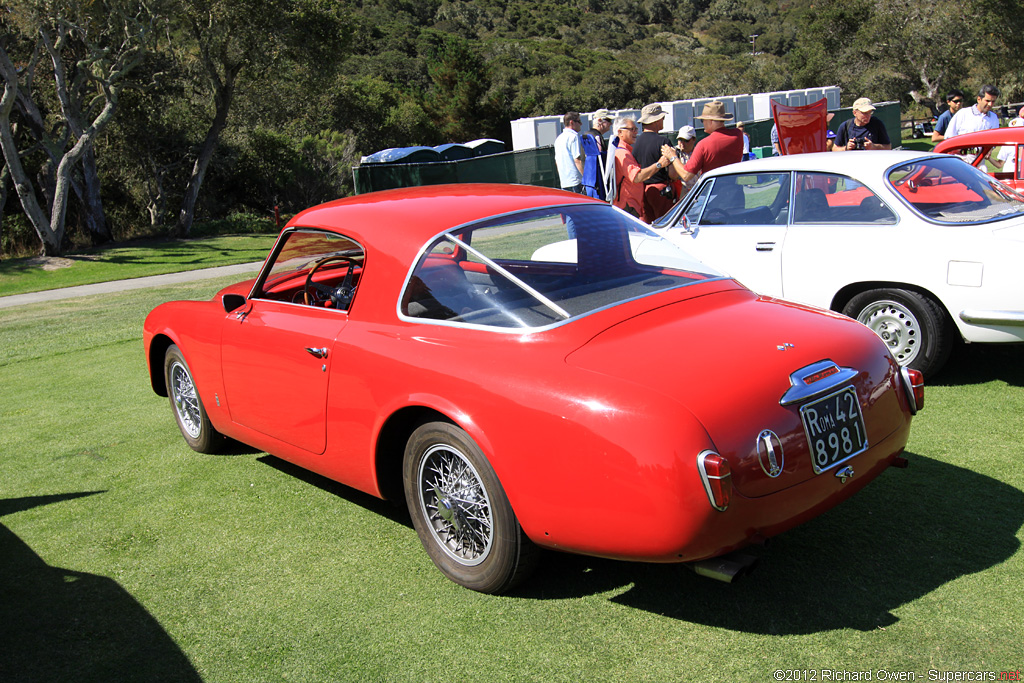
<point>755,199</point>
<point>833,198</point>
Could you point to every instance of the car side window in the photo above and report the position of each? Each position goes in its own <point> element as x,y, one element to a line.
<point>755,199</point>
<point>314,268</point>
<point>833,198</point>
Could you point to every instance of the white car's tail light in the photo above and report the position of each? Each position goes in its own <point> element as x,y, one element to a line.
<point>716,477</point>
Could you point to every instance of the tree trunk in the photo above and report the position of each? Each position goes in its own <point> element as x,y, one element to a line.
<point>5,174</point>
<point>51,241</point>
<point>95,221</point>
<point>223,98</point>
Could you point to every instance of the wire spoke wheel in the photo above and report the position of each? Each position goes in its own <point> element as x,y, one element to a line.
<point>456,505</point>
<point>185,399</point>
<point>188,408</point>
<point>461,513</point>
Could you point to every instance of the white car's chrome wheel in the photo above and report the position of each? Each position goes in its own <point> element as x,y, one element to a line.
<point>897,326</point>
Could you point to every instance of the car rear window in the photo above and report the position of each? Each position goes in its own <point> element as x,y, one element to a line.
<point>544,266</point>
<point>947,190</point>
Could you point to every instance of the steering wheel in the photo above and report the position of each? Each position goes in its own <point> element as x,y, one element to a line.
<point>341,296</point>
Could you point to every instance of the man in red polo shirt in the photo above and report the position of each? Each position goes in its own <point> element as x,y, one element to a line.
<point>721,146</point>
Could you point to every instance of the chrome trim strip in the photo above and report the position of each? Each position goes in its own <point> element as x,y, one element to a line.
<point>800,391</point>
<point>704,478</point>
<point>976,317</point>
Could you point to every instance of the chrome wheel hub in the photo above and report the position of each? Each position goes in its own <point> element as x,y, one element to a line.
<point>455,505</point>
<point>896,326</point>
<point>186,401</point>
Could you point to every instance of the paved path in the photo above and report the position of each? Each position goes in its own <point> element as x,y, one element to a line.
<point>122,285</point>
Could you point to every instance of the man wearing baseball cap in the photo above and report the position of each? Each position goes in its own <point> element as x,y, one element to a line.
<point>721,146</point>
<point>686,140</point>
<point>863,131</point>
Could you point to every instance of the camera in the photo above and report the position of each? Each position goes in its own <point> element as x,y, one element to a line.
<point>858,143</point>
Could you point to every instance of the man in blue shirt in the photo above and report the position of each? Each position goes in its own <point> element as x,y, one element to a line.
<point>954,100</point>
<point>569,154</point>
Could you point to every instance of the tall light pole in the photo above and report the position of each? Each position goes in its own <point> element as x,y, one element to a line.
<point>753,38</point>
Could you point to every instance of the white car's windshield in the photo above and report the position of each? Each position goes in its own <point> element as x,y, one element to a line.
<point>950,191</point>
<point>543,266</point>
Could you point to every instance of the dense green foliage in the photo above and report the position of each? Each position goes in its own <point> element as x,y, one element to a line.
<point>252,104</point>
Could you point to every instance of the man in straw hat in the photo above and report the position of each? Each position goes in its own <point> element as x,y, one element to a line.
<point>722,145</point>
<point>658,194</point>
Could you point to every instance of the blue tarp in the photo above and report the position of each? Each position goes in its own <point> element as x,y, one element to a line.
<point>424,155</point>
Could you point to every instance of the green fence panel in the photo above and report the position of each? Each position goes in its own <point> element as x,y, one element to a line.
<point>525,167</point>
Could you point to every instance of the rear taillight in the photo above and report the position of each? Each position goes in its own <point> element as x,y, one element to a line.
<point>717,478</point>
<point>913,384</point>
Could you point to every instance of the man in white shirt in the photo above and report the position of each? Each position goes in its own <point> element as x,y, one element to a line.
<point>569,154</point>
<point>978,117</point>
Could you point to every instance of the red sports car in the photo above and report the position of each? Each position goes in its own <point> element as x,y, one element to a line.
<point>1002,147</point>
<point>631,404</point>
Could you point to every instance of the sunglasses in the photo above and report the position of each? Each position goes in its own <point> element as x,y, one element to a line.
<point>632,128</point>
<point>957,101</point>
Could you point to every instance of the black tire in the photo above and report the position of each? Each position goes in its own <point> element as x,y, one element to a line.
<point>186,405</point>
<point>915,328</point>
<point>461,513</point>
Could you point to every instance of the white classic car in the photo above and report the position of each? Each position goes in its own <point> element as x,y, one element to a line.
<point>919,247</point>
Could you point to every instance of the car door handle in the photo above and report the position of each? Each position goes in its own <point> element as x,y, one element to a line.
<point>317,353</point>
<point>765,246</point>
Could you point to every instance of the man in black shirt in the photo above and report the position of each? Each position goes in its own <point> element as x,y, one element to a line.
<point>862,131</point>
<point>658,196</point>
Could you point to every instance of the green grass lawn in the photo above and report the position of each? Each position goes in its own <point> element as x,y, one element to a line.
<point>19,276</point>
<point>124,556</point>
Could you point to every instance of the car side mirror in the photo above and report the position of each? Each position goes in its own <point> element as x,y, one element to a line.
<point>232,302</point>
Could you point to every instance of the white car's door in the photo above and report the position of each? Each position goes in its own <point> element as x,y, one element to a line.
<point>839,233</point>
<point>737,223</point>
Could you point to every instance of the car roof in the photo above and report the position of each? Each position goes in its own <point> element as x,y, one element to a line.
<point>411,216</point>
<point>993,136</point>
<point>867,163</point>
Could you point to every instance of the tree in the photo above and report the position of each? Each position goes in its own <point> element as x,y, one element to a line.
<point>908,34</point>
<point>227,37</point>
<point>92,49</point>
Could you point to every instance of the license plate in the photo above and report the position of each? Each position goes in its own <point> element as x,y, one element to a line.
<point>834,428</point>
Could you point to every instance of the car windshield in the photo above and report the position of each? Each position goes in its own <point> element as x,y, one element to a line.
<point>948,190</point>
<point>541,267</point>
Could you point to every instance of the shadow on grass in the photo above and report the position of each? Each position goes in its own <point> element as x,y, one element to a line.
<point>981,363</point>
<point>384,508</point>
<point>908,533</point>
<point>61,625</point>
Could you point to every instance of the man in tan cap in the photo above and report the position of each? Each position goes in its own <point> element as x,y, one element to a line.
<point>601,123</point>
<point>862,131</point>
<point>658,193</point>
<point>722,145</point>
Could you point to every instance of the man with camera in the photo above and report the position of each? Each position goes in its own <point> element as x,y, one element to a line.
<point>863,131</point>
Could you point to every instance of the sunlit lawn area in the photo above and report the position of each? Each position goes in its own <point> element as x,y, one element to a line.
<point>18,276</point>
<point>124,556</point>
